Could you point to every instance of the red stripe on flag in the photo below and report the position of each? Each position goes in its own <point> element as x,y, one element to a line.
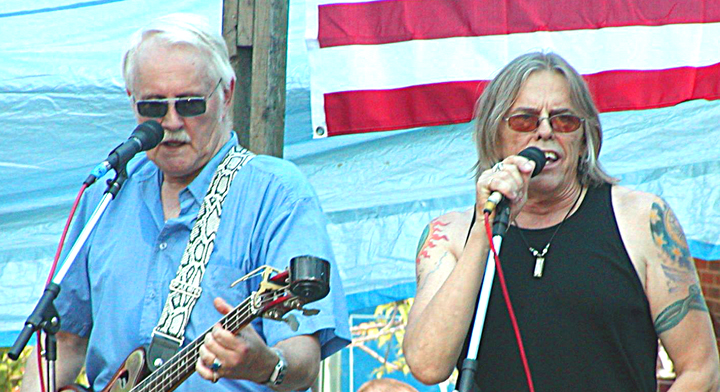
<point>416,106</point>
<point>453,102</point>
<point>635,90</point>
<point>384,22</point>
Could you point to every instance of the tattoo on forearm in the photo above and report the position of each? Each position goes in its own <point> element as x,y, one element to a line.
<point>677,263</point>
<point>673,314</point>
<point>429,239</point>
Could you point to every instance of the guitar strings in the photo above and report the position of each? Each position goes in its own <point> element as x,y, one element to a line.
<point>188,355</point>
<point>161,378</point>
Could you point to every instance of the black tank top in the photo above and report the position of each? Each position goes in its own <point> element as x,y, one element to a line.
<point>585,324</point>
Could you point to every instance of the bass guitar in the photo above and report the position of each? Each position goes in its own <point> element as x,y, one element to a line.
<point>306,280</point>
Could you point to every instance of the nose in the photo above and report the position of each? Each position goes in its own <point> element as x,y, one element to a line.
<point>172,120</point>
<point>544,129</point>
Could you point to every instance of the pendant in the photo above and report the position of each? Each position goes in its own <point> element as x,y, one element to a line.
<point>539,264</point>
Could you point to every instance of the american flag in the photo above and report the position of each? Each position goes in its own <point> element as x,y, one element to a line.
<point>395,64</point>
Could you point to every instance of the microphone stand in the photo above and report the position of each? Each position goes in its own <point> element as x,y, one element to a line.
<point>469,367</point>
<point>45,316</point>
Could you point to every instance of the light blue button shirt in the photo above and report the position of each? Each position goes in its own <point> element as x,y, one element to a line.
<point>116,289</point>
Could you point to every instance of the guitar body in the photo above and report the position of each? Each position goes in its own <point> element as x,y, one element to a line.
<point>132,371</point>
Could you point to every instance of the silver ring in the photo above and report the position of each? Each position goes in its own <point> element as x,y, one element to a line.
<point>498,167</point>
<point>216,365</point>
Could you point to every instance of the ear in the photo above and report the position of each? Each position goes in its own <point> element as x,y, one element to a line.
<point>132,105</point>
<point>229,94</point>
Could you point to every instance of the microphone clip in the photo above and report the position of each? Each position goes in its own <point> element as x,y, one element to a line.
<point>502,218</point>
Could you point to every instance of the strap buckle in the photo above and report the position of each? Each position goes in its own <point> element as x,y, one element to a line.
<point>179,286</point>
<point>161,349</point>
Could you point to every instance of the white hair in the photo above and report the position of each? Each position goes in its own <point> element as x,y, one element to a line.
<point>184,29</point>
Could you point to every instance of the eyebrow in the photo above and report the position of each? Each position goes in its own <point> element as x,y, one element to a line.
<point>162,98</point>
<point>537,112</point>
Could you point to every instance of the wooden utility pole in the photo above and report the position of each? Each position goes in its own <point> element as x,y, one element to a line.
<point>256,35</point>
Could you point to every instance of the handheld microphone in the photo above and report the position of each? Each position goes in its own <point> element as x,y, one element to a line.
<point>532,153</point>
<point>144,137</point>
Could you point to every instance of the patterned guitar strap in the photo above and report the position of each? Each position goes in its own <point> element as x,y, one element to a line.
<point>168,335</point>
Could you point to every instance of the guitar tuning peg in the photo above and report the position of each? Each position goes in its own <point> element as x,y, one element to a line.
<point>292,322</point>
<point>310,312</point>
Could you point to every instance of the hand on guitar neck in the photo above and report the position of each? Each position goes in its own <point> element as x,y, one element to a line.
<point>243,356</point>
<point>247,357</point>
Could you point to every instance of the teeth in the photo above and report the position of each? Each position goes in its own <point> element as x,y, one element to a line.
<point>550,155</point>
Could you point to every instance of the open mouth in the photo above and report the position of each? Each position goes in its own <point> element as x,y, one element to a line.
<point>173,143</point>
<point>550,156</point>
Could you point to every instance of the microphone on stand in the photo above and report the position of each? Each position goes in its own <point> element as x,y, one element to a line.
<point>145,137</point>
<point>45,316</point>
<point>469,366</point>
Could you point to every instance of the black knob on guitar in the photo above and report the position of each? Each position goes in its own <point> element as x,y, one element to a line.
<point>309,277</point>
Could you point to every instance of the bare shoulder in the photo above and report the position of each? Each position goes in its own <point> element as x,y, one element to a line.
<point>631,202</point>
<point>653,236</point>
<point>644,212</point>
<point>634,215</point>
<point>632,208</point>
<point>445,233</point>
<point>438,251</point>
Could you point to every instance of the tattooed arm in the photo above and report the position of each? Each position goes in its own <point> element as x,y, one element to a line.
<point>448,281</point>
<point>679,312</point>
<point>449,274</point>
<point>681,316</point>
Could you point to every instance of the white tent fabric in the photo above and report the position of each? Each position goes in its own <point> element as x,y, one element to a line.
<point>63,108</point>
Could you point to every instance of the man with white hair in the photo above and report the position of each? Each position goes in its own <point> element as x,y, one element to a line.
<point>177,72</point>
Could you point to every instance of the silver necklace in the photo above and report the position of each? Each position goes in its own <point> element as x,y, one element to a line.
<point>540,256</point>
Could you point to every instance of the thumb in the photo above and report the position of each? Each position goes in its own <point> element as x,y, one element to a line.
<point>222,306</point>
<point>527,167</point>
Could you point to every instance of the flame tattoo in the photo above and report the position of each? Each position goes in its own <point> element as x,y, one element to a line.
<point>430,238</point>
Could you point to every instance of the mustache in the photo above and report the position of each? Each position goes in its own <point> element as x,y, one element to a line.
<point>176,136</point>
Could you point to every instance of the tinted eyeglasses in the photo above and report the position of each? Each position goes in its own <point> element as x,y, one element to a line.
<point>562,123</point>
<point>184,106</point>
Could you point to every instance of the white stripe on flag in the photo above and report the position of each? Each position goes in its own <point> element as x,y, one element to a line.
<point>396,65</point>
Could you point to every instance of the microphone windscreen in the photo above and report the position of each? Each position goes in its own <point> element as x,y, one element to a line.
<point>536,155</point>
<point>150,134</point>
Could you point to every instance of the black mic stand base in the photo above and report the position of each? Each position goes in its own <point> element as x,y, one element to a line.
<point>45,317</point>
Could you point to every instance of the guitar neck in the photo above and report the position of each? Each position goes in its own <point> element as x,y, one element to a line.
<point>178,368</point>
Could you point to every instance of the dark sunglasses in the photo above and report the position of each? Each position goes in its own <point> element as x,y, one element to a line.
<point>562,123</point>
<point>184,106</point>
